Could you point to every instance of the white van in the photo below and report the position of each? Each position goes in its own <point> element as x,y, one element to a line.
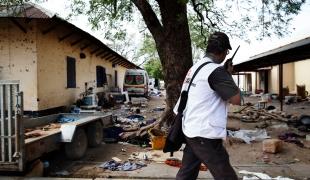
<point>136,82</point>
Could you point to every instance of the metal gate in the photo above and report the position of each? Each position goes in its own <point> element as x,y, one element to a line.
<point>11,126</point>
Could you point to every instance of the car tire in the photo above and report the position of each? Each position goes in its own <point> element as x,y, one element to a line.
<point>94,134</point>
<point>76,149</point>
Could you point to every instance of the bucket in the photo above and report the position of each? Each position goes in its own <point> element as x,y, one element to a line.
<point>158,139</point>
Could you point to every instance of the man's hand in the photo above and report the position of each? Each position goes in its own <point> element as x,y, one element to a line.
<point>228,65</point>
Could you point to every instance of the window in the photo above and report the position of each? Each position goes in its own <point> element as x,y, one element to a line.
<point>134,79</point>
<point>71,73</point>
<point>101,76</point>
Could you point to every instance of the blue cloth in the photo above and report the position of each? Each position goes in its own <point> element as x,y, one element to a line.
<point>135,116</point>
<point>66,119</point>
<point>113,132</point>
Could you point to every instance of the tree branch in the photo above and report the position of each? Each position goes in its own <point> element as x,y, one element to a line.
<point>201,18</point>
<point>199,14</point>
<point>150,18</point>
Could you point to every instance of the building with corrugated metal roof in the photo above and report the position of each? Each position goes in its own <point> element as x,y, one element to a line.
<point>54,59</point>
<point>279,71</point>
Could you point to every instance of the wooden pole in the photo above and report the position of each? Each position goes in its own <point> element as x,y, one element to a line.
<point>238,79</point>
<point>256,80</point>
<point>281,85</point>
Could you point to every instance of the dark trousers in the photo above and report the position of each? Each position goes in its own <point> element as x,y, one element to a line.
<point>210,152</point>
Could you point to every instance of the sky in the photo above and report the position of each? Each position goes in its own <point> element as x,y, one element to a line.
<point>300,26</point>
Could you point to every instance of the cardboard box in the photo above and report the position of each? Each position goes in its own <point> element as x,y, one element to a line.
<point>272,145</point>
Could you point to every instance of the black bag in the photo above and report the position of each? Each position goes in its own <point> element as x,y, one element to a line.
<point>176,137</point>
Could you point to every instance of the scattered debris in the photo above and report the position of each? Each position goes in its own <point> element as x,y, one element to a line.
<point>126,166</point>
<point>256,115</point>
<point>112,133</point>
<point>136,125</point>
<point>243,108</point>
<point>51,126</point>
<point>150,121</point>
<point>280,126</point>
<point>248,119</point>
<point>250,114</point>
<point>141,156</point>
<point>292,138</point>
<point>173,162</point>
<point>290,99</point>
<point>33,135</point>
<point>257,175</point>
<point>155,92</point>
<point>305,123</point>
<point>159,109</point>
<point>138,133</point>
<point>178,163</point>
<point>138,101</point>
<point>308,137</point>
<point>39,131</point>
<point>135,117</point>
<point>233,128</point>
<point>231,140</point>
<point>268,108</point>
<point>116,159</point>
<point>274,96</point>
<point>138,111</point>
<point>249,135</point>
<point>62,173</point>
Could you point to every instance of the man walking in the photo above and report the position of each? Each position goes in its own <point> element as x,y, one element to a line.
<point>205,115</point>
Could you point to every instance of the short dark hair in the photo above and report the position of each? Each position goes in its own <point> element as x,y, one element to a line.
<point>218,42</point>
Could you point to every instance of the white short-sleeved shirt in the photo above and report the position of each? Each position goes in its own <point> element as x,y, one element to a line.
<point>205,114</point>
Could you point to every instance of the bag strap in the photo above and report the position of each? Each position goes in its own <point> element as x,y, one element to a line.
<point>184,94</point>
<point>196,72</point>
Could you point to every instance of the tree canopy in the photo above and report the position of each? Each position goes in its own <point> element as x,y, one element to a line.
<point>179,27</point>
<point>154,68</point>
<point>237,18</point>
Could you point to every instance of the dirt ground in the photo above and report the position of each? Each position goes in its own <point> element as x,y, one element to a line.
<point>291,153</point>
<point>242,155</point>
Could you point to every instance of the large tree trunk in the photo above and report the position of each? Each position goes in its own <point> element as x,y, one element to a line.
<point>175,68</point>
<point>173,44</point>
<point>175,55</point>
<point>174,51</point>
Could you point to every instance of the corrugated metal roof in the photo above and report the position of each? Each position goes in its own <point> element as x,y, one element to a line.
<point>283,48</point>
<point>295,51</point>
<point>31,10</point>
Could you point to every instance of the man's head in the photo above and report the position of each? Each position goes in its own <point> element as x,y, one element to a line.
<point>218,45</point>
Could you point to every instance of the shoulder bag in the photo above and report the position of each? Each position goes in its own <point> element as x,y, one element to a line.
<point>176,137</point>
